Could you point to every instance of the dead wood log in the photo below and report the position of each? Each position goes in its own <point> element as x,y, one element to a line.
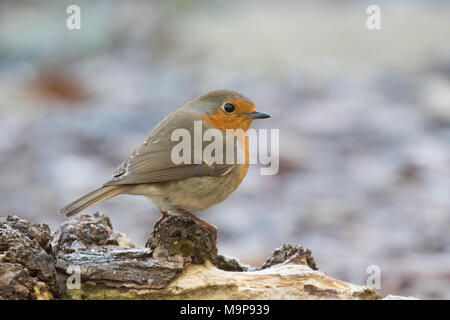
<point>86,259</point>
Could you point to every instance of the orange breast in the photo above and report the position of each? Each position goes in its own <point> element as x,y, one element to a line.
<point>235,121</point>
<point>244,169</point>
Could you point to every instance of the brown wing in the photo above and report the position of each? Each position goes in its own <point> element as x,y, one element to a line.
<point>152,163</point>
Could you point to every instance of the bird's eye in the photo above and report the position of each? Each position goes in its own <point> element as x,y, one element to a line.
<point>228,107</point>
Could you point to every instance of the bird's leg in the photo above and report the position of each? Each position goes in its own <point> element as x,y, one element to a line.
<point>212,229</point>
<point>164,216</point>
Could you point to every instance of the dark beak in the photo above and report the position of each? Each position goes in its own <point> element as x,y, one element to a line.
<point>257,115</point>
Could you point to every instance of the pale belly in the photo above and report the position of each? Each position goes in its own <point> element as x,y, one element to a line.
<point>192,195</point>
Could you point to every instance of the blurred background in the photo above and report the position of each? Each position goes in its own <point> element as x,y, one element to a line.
<point>364,119</point>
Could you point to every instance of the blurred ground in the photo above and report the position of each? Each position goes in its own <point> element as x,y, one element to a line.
<point>364,119</point>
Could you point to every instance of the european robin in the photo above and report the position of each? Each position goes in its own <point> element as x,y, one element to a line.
<point>186,188</point>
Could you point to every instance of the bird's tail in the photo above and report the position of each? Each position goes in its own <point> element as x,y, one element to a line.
<point>90,199</point>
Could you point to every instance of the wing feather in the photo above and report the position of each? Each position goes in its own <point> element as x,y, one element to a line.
<point>152,162</point>
<point>151,168</point>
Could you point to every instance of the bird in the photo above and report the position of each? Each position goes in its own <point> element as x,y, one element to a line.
<point>185,188</point>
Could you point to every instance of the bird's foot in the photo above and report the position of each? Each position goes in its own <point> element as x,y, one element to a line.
<point>211,228</point>
<point>164,215</point>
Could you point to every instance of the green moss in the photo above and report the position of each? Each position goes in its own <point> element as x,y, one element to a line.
<point>73,294</point>
<point>367,294</point>
<point>185,247</point>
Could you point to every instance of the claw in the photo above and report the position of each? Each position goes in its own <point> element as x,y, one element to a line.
<point>163,217</point>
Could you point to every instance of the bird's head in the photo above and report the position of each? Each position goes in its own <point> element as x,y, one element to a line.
<point>227,109</point>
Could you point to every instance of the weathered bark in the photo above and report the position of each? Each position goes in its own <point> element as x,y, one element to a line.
<point>180,261</point>
<point>88,232</point>
<point>27,265</point>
